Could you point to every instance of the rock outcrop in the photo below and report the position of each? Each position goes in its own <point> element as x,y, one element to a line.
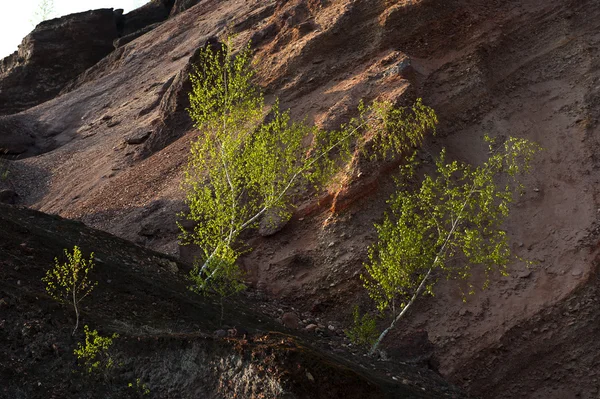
<point>53,54</point>
<point>173,120</point>
<point>150,13</point>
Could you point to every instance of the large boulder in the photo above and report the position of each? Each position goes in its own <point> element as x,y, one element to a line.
<point>53,54</point>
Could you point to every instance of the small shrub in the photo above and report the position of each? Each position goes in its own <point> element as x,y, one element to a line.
<point>139,387</point>
<point>94,352</point>
<point>364,331</point>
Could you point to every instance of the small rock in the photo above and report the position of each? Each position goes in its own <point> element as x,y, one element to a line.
<point>138,137</point>
<point>290,320</point>
<point>273,221</point>
<point>576,273</point>
<point>331,328</point>
<point>311,327</point>
<point>524,274</point>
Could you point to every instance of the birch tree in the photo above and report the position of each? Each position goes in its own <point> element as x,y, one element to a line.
<point>69,282</point>
<point>451,224</point>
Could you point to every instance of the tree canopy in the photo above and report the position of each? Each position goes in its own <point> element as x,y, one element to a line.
<point>249,158</point>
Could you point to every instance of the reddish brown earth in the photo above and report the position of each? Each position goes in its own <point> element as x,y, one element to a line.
<point>525,68</point>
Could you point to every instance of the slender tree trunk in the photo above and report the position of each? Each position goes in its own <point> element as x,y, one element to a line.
<point>76,312</point>
<point>402,313</point>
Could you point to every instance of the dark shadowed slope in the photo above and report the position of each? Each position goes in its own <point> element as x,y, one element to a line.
<point>166,333</point>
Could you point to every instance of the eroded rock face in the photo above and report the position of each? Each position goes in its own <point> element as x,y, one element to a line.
<point>53,54</point>
<point>173,120</point>
<point>150,13</point>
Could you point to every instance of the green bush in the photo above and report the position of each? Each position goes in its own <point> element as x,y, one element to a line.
<point>364,330</point>
<point>94,354</point>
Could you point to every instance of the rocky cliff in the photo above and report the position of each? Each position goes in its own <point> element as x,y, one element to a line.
<point>109,151</point>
